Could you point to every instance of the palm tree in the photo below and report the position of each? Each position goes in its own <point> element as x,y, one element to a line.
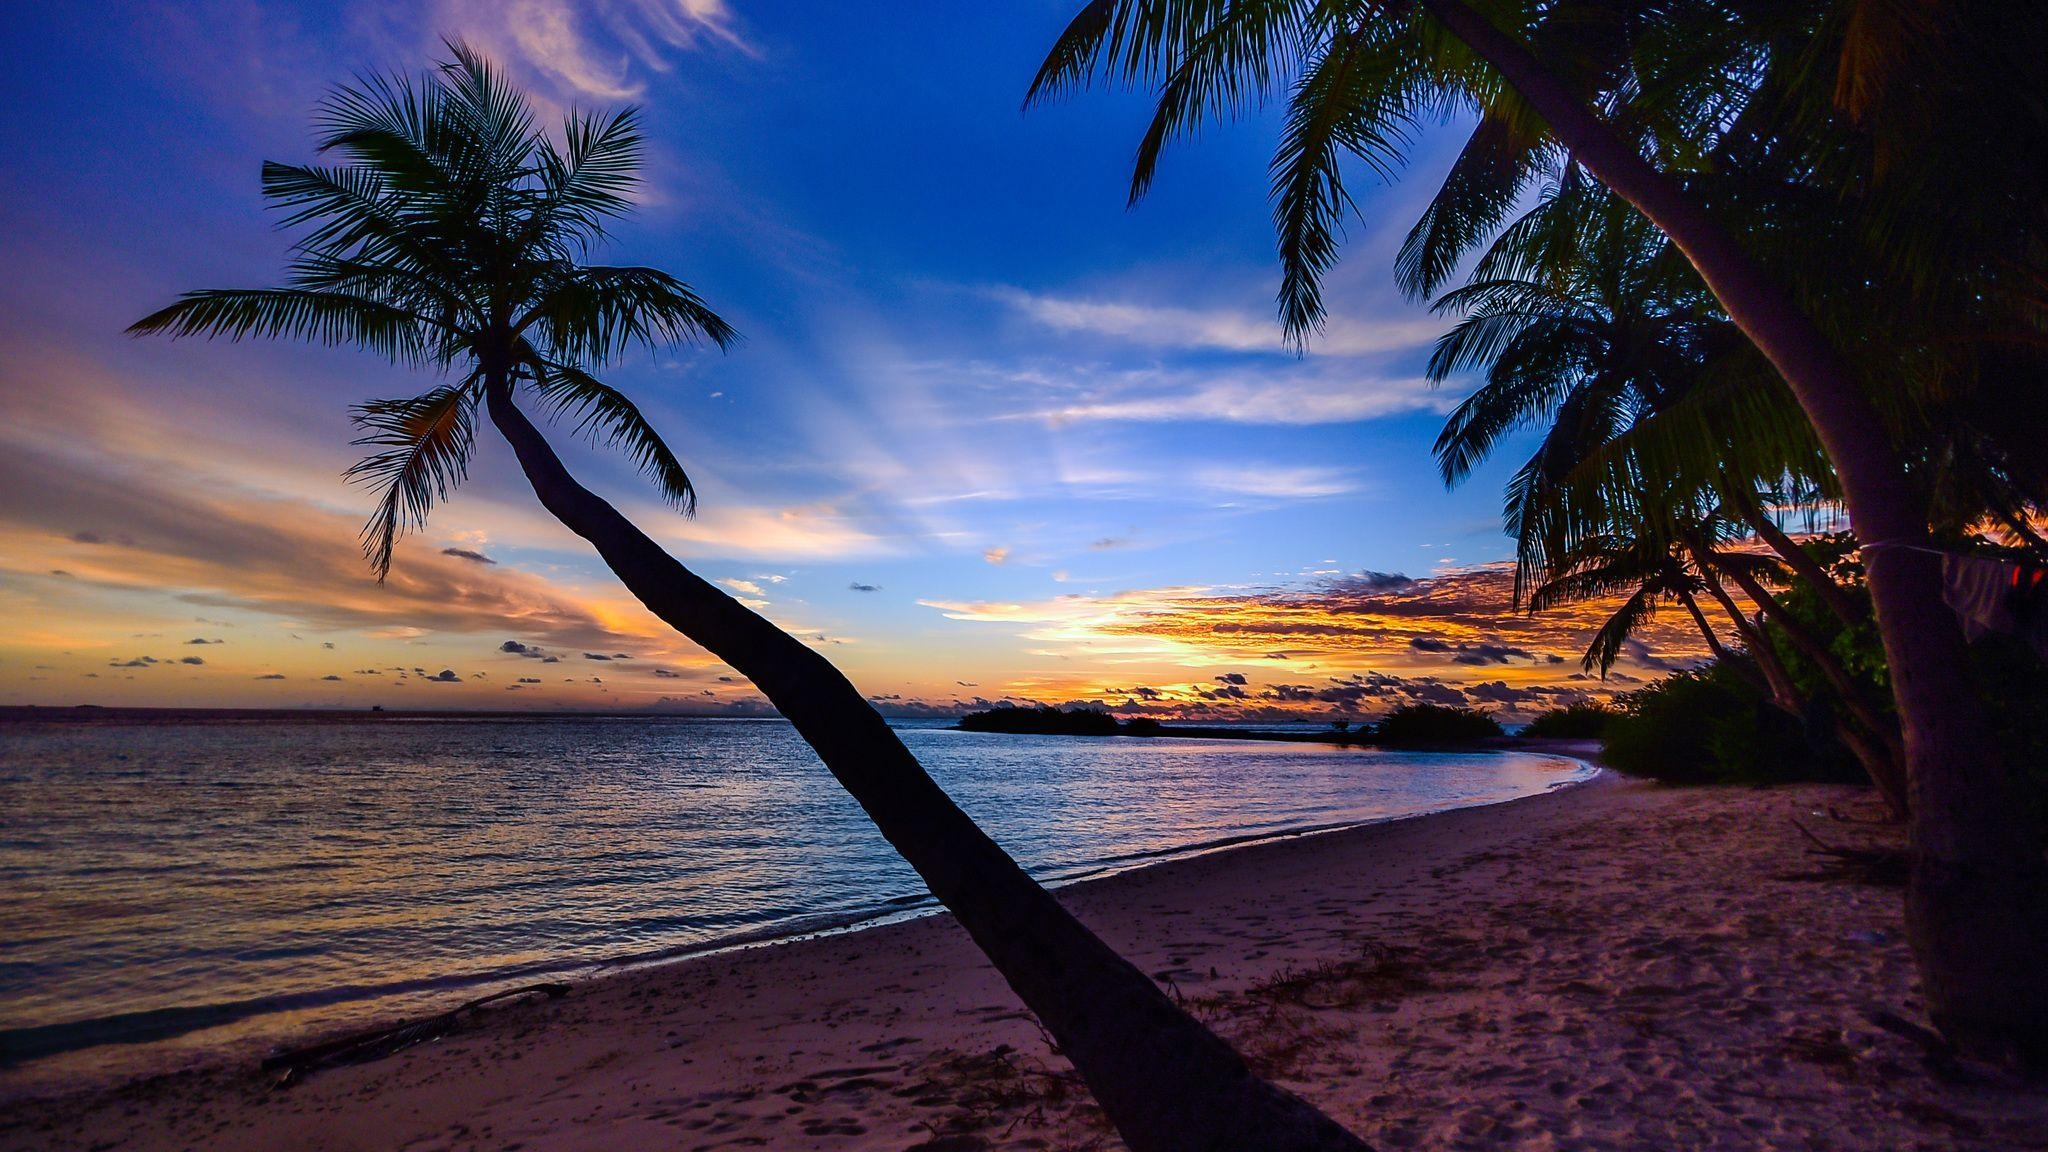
<point>1580,317</point>
<point>454,239</point>
<point>1567,79</point>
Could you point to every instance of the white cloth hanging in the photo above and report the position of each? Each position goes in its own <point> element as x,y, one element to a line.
<point>1998,596</point>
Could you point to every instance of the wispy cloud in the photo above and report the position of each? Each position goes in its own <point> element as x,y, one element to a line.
<point>598,51</point>
<point>1279,481</point>
<point>1238,396</point>
<point>1164,326</point>
<point>278,557</point>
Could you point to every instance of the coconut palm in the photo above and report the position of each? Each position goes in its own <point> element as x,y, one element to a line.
<point>1635,94</point>
<point>1580,317</point>
<point>454,238</point>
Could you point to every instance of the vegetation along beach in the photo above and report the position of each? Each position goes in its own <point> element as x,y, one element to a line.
<point>1173,576</point>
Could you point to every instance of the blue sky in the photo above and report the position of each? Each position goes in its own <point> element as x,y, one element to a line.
<point>972,382</point>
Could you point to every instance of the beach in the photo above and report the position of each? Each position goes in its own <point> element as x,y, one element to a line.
<point>1613,965</point>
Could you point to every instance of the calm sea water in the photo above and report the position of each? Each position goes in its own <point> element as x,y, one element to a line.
<point>178,886</point>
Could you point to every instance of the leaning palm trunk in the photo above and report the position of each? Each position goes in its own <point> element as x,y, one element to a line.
<point>1783,693</point>
<point>1888,771</point>
<point>1166,1081</point>
<point>455,238</point>
<point>1977,904</point>
<point>1878,758</point>
<point>1699,619</point>
<point>1846,609</point>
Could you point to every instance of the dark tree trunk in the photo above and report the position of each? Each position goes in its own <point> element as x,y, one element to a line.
<point>1977,904</point>
<point>1783,692</point>
<point>1884,761</point>
<point>1699,618</point>
<point>1786,698</point>
<point>1168,1083</point>
<point>1846,609</point>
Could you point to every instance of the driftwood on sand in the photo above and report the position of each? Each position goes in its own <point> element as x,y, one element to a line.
<point>296,1064</point>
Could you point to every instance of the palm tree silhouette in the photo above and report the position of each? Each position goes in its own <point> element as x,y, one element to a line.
<point>1582,316</point>
<point>1948,213</point>
<point>454,240</point>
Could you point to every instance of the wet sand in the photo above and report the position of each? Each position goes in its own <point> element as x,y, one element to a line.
<point>1613,966</point>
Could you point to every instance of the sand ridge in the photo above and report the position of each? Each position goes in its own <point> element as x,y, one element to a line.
<point>1613,966</point>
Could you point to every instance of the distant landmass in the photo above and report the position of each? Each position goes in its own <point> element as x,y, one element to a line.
<point>1414,726</point>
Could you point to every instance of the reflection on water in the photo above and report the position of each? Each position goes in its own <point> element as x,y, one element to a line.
<point>158,880</point>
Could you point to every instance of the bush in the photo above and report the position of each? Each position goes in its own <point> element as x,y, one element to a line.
<point>1714,725</point>
<point>1435,724</point>
<point>1582,721</point>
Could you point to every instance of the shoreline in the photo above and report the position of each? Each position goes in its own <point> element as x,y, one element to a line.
<point>1612,965</point>
<point>147,1053</point>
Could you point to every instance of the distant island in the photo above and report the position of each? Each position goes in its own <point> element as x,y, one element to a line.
<point>1411,726</point>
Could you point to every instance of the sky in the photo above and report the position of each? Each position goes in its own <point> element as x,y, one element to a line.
<point>990,435</point>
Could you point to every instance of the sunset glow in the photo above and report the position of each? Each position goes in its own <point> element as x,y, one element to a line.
<point>989,436</point>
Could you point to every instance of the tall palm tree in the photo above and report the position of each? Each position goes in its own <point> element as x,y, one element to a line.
<point>1567,78</point>
<point>1581,317</point>
<point>454,239</point>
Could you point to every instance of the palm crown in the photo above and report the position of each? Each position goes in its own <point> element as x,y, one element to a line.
<point>453,238</point>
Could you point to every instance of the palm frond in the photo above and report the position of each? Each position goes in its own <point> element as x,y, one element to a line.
<point>1125,41</point>
<point>603,414</point>
<point>330,318</point>
<point>1229,68</point>
<point>1351,100</point>
<point>424,444</point>
<point>591,314</point>
<point>589,179</point>
<point>1613,634</point>
<point>1490,173</point>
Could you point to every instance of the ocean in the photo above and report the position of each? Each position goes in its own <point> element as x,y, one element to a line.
<point>169,890</point>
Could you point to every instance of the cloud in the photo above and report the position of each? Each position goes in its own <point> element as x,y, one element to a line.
<point>271,676</point>
<point>1161,326</point>
<point>445,676</point>
<point>1278,481</point>
<point>202,640</point>
<point>1430,634</point>
<point>996,555</point>
<point>1484,653</point>
<point>1293,396</point>
<point>857,586</point>
<point>467,554</point>
<point>1369,581</point>
<point>595,656</point>
<point>330,676</point>
<point>529,679</point>
<point>284,558</point>
<point>195,660</point>
<point>137,662</point>
<point>744,587</point>
<point>590,51</point>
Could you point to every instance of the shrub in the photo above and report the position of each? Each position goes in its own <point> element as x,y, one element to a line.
<point>1713,725</point>
<point>1435,724</point>
<point>1582,721</point>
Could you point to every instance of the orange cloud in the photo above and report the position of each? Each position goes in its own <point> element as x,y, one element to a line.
<point>1365,643</point>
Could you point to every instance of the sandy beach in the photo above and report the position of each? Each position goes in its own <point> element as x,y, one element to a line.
<point>1616,965</point>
